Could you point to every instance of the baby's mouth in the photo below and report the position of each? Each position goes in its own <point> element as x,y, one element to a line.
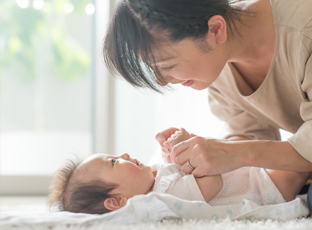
<point>138,163</point>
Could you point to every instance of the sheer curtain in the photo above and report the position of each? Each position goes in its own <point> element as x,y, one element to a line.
<point>51,73</point>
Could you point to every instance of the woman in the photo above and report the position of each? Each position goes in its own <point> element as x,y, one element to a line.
<point>253,56</point>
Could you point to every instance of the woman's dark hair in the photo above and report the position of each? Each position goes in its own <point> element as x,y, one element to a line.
<point>139,26</point>
<point>88,197</point>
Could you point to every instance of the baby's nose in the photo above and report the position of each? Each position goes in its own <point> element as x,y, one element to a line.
<point>125,156</point>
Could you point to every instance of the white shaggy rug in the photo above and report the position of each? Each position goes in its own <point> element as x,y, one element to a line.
<point>302,224</point>
<point>35,204</point>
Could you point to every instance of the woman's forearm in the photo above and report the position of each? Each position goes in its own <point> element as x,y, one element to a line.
<point>238,138</point>
<point>278,155</point>
<point>213,156</point>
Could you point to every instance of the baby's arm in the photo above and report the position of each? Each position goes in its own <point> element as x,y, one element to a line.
<point>288,183</point>
<point>209,186</point>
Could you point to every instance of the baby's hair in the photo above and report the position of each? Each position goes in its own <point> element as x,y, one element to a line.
<point>69,193</point>
<point>60,181</point>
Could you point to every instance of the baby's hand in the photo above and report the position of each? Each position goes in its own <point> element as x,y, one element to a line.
<point>177,137</point>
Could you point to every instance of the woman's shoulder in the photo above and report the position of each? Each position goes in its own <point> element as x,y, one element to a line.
<point>293,14</point>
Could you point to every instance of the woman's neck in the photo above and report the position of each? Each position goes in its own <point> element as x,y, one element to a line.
<point>256,36</point>
<point>252,52</point>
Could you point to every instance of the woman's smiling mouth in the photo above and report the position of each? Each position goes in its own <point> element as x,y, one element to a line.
<point>188,83</point>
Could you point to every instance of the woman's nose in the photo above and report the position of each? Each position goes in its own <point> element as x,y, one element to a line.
<point>171,80</point>
<point>175,81</point>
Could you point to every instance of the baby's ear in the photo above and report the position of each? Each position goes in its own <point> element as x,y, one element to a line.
<point>114,203</point>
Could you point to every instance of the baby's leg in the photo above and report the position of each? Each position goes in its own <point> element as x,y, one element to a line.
<point>288,183</point>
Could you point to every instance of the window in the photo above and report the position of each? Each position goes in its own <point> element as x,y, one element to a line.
<point>48,87</point>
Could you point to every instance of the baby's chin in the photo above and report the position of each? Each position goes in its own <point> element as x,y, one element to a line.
<point>151,172</point>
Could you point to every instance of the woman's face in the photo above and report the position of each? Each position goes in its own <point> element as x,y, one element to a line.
<point>187,64</point>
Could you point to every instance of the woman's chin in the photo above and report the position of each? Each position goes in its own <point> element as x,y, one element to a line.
<point>199,87</point>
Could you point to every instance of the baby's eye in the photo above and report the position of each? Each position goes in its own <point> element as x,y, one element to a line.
<point>113,161</point>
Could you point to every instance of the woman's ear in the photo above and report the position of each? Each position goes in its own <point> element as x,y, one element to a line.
<point>217,32</point>
<point>114,203</point>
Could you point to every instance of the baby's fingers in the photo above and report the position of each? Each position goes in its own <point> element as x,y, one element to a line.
<point>161,137</point>
<point>166,147</point>
<point>166,157</point>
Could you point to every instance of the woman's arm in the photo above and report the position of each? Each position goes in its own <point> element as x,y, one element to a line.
<point>238,138</point>
<point>210,186</point>
<point>279,155</point>
<point>212,157</point>
<point>286,151</point>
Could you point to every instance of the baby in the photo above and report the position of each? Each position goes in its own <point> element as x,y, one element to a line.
<point>103,183</point>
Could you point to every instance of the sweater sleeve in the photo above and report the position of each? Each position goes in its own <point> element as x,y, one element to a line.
<point>239,121</point>
<point>302,139</point>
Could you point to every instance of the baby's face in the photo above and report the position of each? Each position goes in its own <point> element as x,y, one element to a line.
<point>131,176</point>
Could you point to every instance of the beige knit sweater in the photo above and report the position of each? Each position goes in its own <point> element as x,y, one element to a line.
<point>284,100</point>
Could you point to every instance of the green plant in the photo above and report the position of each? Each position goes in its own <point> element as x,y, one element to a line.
<point>24,29</point>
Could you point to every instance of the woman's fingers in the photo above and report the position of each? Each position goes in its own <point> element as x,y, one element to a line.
<point>196,168</point>
<point>205,156</point>
<point>178,150</point>
<point>185,150</point>
<point>197,158</point>
<point>188,167</point>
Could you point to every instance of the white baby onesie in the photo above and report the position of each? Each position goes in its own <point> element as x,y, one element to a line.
<point>245,183</point>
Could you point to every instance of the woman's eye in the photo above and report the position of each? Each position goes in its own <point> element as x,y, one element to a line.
<point>167,68</point>
<point>113,161</point>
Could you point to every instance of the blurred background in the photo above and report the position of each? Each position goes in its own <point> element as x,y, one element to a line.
<point>57,97</point>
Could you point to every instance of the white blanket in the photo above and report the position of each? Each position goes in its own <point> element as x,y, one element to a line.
<point>156,207</point>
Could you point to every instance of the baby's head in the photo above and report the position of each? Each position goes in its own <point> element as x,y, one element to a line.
<point>100,184</point>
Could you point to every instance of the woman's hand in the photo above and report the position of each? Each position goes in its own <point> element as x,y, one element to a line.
<point>207,156</point>
<point>162,137</point>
